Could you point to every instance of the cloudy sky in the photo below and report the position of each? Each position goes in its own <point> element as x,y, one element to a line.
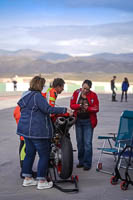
<point>76,27</point>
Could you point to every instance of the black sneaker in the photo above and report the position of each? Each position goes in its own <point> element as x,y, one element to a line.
<point>34,174</point>
<point>80,166</point>
<point>87,168</point>
<point>21,175</point>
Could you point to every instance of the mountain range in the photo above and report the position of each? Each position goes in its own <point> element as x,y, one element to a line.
<point>26,62</point>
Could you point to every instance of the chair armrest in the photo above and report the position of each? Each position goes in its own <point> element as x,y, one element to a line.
<point>105,137</point>
<point>108,137</point>
<point>114,134</point>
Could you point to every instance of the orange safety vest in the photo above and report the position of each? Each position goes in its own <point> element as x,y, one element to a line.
<point>50,94</point>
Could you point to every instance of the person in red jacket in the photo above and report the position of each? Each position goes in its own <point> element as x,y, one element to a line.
<point>85,104</point>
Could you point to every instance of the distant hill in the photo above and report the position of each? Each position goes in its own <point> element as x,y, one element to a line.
<point>25,62</point>
<point>127,57</point>
<point>54,56</point>
<point>36,54</point>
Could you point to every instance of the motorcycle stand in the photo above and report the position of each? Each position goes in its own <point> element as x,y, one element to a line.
<point>58,182</point>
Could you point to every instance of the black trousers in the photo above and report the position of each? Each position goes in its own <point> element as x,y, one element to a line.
<point>122,95</point>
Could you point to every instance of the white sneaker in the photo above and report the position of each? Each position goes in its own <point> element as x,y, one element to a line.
<point>44,185</point>
<point>29,182</point>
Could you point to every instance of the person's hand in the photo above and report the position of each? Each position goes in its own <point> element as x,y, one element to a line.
<point>69,111</point>
<point>85,106</point>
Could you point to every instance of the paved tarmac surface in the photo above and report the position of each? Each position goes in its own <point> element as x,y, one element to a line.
<point>92,185</point>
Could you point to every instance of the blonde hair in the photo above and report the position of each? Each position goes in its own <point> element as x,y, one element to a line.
<point>37,83</point>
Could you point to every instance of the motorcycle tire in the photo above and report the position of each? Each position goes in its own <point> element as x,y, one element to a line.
<point>66,158</point>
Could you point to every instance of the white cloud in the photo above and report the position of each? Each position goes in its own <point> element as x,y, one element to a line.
<point>74,42</point>
<point>16,38</point>
<point>113,38</point>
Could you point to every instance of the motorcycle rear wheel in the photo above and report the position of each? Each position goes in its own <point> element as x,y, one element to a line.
<point>65,167</point>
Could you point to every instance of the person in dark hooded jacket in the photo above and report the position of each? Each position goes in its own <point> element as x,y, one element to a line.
<point>36,128</point>
<point>124,87</point>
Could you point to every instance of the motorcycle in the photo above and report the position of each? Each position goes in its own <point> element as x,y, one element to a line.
<point>61,156</point>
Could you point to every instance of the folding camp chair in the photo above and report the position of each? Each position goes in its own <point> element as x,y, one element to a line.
<point>124,175</point>
<point>113,143</point>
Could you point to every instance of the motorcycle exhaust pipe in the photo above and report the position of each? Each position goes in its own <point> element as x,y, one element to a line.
<point>60,121</point>
<point>71,121</point>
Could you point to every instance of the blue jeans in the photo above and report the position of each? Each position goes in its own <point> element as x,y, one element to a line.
<point>84,135</point>
<point>42,146</point>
